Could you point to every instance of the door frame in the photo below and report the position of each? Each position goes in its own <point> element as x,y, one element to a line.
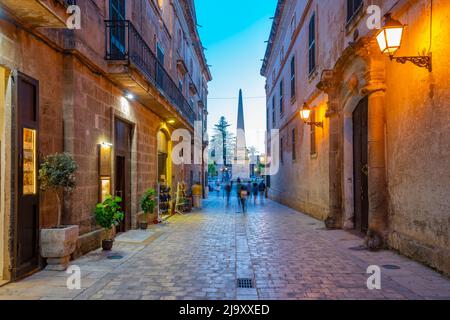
<point>129,168</point>
<point>348,167</point>
<point>15,175</point>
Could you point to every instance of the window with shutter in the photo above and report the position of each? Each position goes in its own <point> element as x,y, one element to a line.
<point>312,43</point>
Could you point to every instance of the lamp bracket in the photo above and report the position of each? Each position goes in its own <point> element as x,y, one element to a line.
<point>420,61</point>
<point>317,124</point>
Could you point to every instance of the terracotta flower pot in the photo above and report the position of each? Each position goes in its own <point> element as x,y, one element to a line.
<point>143,225</point>
<point>107,244</point>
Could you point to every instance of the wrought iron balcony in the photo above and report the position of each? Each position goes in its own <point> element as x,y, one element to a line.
<point>124,43</point>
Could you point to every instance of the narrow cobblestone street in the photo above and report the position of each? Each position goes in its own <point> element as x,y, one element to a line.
<point>200,255</point>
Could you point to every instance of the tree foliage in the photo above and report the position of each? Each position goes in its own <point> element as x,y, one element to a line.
<point>58,171</point>
<point>222,142</point>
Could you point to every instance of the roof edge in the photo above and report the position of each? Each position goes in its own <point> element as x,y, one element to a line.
<point>273,34</point>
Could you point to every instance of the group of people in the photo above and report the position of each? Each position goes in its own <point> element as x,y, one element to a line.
<point>246,192</point>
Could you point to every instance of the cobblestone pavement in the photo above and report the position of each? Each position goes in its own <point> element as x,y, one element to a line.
<point>200,255</point>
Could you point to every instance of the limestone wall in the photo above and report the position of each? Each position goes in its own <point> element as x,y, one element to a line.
<point>418,145</point>
<point>416,112</point>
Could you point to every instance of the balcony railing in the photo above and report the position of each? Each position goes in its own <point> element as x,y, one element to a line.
<point>124,43</point>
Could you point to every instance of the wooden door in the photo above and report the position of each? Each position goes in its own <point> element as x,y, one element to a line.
<point>123,170</point>
<point>26,240</point>
<point>360,165</point>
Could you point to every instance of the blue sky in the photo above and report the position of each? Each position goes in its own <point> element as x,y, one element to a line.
<point>234,31</point>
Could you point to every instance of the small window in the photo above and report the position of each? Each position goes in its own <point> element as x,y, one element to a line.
<point>293,78</point>
<point>273,111</point>
<point>281,99</point>
<point>313,134</point>
<point>294,147</point>
<point>312,43</point>
<point>353,7</point>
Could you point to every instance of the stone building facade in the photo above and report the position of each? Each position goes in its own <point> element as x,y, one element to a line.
<point>133,73</point>
<point>377,161</point>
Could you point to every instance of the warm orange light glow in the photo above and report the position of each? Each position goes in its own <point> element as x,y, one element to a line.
<point>389,38</point>
<point>29,161</point>
<point>305,113</point>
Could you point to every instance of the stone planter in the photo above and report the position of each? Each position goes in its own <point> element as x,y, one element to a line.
<point>57,245</point>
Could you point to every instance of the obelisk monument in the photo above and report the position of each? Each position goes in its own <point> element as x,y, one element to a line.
<point>241,165</point>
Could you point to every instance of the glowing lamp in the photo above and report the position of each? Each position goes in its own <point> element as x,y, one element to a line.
<point>305,113</point>
<point>389,38</point>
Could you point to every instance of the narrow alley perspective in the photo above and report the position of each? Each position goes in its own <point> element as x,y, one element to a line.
<point>217,158</point>
<point>200,255</point>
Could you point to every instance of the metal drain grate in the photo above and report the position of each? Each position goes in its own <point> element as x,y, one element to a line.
<point>391,267</point>
<point>245,283</point>
<point>115,257</point>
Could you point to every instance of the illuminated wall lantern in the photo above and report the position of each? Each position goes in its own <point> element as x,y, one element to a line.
<point>105,153</point>
<point>305,115</point>
<point>389,40</point>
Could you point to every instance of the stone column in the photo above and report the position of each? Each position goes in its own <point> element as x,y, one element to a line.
<point>375,90</point>
<point>378,211</point>
<point>329,84</point>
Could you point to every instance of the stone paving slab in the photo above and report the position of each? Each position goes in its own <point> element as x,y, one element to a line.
<point>200,255</point>
<point>135,236</point>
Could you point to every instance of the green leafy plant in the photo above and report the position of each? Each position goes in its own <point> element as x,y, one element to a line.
<point>57,171</point>
<point>109,213</point>
<point>148,202</point>
<point>212,171</point>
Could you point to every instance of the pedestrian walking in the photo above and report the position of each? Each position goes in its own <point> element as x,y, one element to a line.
<point>262,190</point>
<point>228,192</point>
<point>255,190</point>
<point>243,197</point>
<point>238,191</point>
<point>249,190</point>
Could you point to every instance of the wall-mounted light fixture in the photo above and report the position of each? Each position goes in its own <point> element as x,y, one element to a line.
<point>305,114</point>
<point>106,144</point>
<point>171,121</point>
<point>389,40</point>
<point>129,96</point>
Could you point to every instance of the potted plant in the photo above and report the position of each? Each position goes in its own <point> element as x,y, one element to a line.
<point>108,214</point>
<point>56,173</point>
<point>148,203</point>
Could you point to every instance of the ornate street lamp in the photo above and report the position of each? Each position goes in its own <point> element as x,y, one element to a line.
<point>389,40</point>
<point>305,115</point>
